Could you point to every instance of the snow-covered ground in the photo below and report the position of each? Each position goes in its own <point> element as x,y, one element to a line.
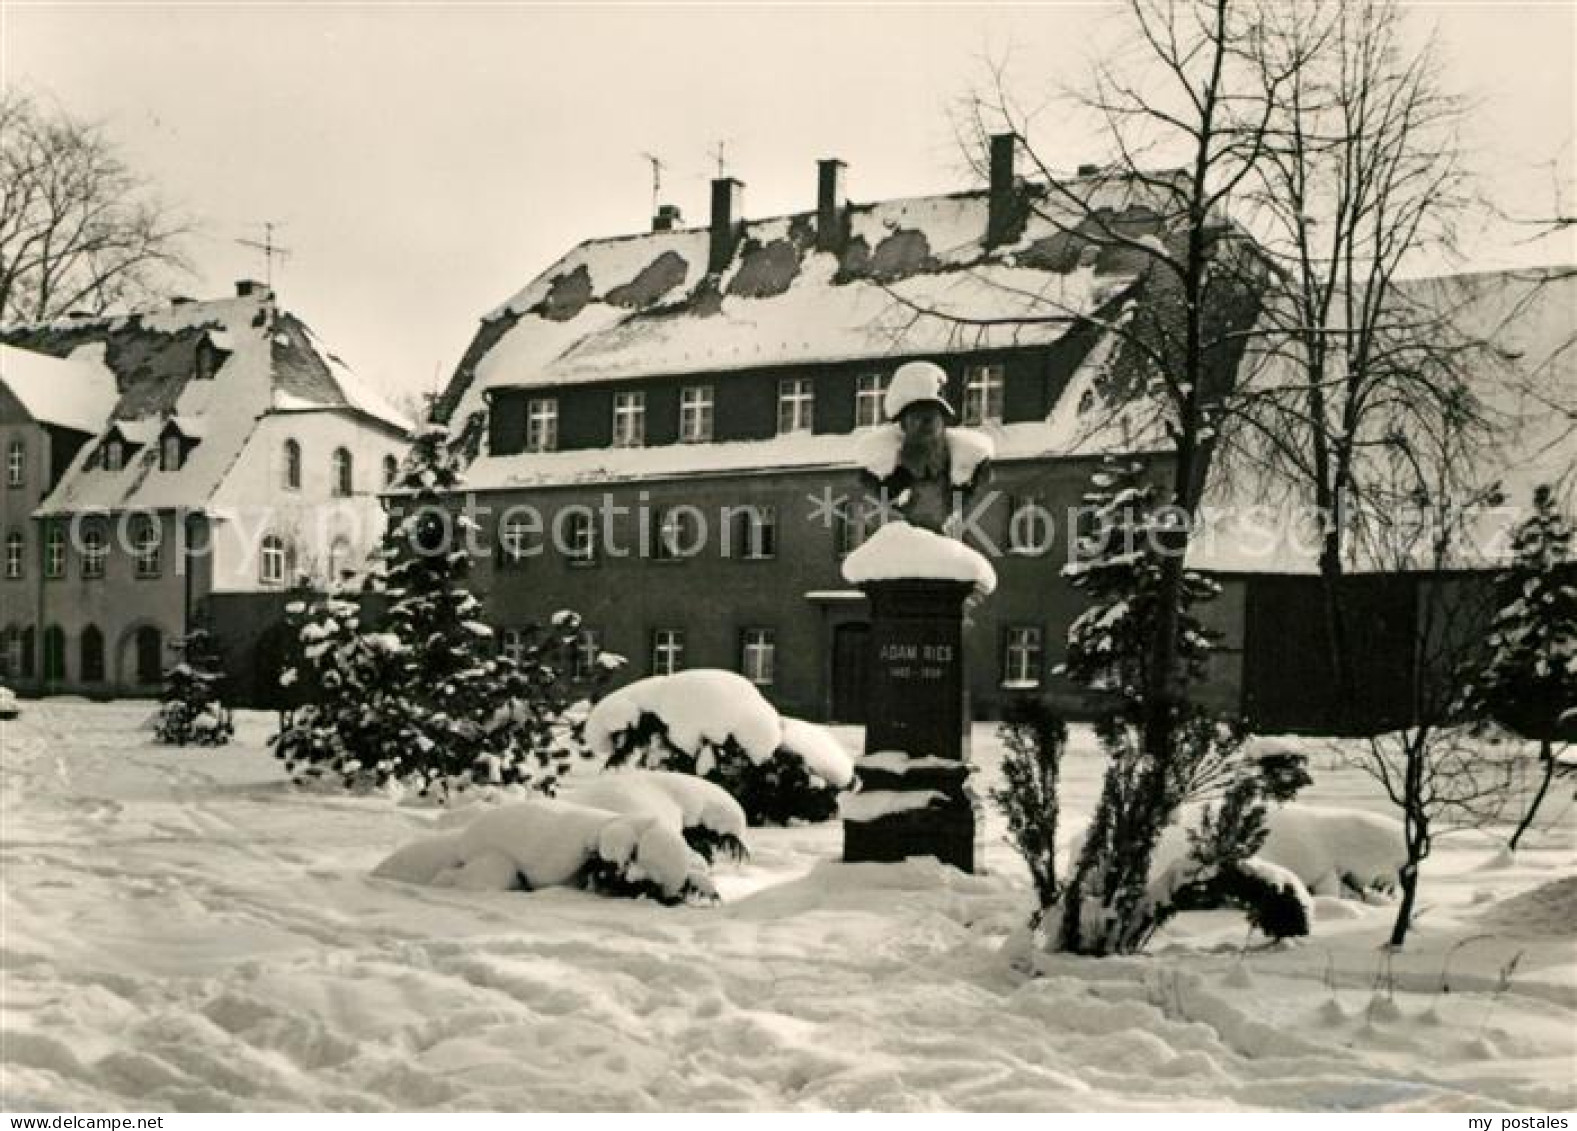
<point>182,930</point>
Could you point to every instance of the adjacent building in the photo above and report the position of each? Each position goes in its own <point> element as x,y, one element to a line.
<point>173,467</point>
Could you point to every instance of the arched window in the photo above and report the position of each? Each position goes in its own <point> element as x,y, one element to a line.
<point>150,659</point>
<point>342,472</point>
<point>92,655</point>
<point>11,652</point>
<point>54,653</point>
<point>292,466</point>
<point>391,470</point>
<point>171,452</point>
<point>339,560</point>
<point>271,565</point>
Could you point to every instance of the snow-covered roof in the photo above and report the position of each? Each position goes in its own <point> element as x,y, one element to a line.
<point>74,392</point>
<point>646,305</point>
<point>269,360</point>
<point>1518,330</point>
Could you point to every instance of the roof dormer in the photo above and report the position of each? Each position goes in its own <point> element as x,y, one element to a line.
<point>213,349</point>
<point>176,440</point>
<point>120,443</point>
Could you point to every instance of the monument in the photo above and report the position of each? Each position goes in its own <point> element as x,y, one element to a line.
<point>915,798</point>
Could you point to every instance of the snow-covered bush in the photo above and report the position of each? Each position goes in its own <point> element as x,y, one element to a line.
<point>191,710</point>
<point>1272,898</point>
<point>717,725</point>
<point>1035,737</point>
<point>553,843</point>
<point>708,818</point>
<point>423,700</point>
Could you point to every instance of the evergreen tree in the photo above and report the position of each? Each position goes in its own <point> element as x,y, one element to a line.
<point>425,700</point>
<point>1528,679</point>
<point>1122,570</point>
<point>191,710</point>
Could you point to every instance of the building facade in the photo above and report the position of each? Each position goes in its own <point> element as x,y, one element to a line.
<point>224,459</point>
<point>663,429</point>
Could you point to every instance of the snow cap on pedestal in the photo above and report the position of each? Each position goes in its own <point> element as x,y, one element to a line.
<point>900,551</point>
<point>917,382</point>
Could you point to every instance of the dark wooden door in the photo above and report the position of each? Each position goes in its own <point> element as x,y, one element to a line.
<point>851,645</point>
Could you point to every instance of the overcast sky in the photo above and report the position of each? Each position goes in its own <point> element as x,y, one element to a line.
<point>426,162</point>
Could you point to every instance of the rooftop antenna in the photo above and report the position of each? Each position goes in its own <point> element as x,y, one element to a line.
<point>658,165</point>
<point>720,154</point>
<point>270,251</point>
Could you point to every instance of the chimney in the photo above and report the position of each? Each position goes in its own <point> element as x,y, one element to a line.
<point>830,200</point>
<point>251,288</point>
<point>1004,215</point>
<point>728,203</point>
<point>667,218</point>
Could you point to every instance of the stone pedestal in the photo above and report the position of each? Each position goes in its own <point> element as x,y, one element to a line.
<point>914,795</point>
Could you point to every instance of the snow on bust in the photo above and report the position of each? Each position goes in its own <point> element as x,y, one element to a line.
<point>877,452</point>
<point>900,551</point>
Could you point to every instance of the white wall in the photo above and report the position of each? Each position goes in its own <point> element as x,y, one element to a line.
<point>253,500</point>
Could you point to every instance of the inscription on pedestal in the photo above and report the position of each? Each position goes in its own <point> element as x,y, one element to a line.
<point>916,697</point>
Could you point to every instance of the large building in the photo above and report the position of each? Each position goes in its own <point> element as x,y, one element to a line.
<point>169,467</point>
<point>664,427</point>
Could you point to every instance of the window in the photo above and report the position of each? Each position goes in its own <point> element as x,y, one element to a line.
<point>586,649</point>
<point>629,420</point>
<point>542,424</point>
<point>94,552</point>
<point>54,653</point>
<point>55,551</point>
<point>146,549</point>
<point>15,554</point>
<point>870,392</point>
<point>92,646</point>
<point>16,464</point>
<point>513,541</point>
<point>580,536</point>
<point>796,405</point>
<point>677,535</point>
<point>209,359</point>
<point>1021,657</point>
<point>667,651</point>
<point>342,472</point>
<point>339,560</point>
<point>170,454</point>
<point>758,532</point>
<point>114,454</point>
<point>391,470</point>
<point>695,414</point>
<point>1029,526</point>
<point>983,394</point>
<point>29,638</point>
<point>271,567</point>
<point>512,645</point>
<point>11,652</point>
<point>149,647</point>
<point>292,466</point>
<point>758,655</point>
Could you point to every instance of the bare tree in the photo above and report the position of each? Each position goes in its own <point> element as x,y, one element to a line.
<point>1359,176</point>
<point>78,229</point>
<point>1427,496</point>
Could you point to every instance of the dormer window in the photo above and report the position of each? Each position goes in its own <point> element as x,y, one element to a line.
<point>542,424</point>
<point>209,358</point>
<point>113,454</point>
<point>172,453</point>
<point>870,394</point>
<point>983,395</point>
<point>796,405</point>
<point>629,420</point>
